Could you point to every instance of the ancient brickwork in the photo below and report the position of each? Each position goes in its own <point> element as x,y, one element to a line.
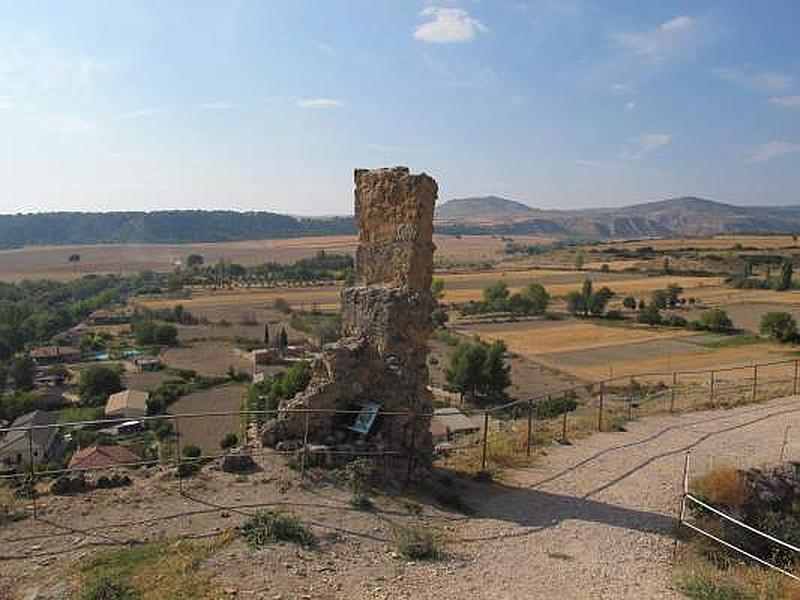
<point>381,358</point>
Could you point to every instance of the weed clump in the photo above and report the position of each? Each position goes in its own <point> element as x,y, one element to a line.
<point>268,527</point>
<point>416,543</point>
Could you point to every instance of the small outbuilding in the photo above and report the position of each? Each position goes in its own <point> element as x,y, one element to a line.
<point>127,404</point>
<point>102,457</point>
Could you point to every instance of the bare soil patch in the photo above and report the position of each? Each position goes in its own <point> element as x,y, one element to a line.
<point>206,432</point>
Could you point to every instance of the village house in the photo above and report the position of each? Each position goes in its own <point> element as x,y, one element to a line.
<point>147,363</point>
<point>102,457</point>
<point>450,423</point>
<point>49,355</point>
<point>127,404</point>
<point>44,444</point>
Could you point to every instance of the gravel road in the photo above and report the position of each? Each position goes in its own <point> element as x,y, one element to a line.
<point>595,520</point>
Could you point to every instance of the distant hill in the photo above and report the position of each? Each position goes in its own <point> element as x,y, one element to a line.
<point>484,208</point>
<point>675,217</point>
<point>686,216</point>
<point>174,226</point>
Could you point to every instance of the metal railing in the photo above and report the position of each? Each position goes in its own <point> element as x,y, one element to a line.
<point>689,499</point>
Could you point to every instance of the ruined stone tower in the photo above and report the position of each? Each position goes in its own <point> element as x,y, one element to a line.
<point>381,358</point>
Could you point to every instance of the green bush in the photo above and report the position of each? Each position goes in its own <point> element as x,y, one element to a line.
<point>416,543</point>
<point>701,586</point>
<point>268,526</point>
<point>191,451</point>
<point>229,441</point>
<point>554,406</point>
<point>106,588</point>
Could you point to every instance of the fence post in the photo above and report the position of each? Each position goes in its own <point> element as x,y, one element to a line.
<point>785,440</point>
<point>530,426</point>
<point>564,422</point>
<point>711,392</point>
<point>178,455</point>
<point>794,385</point>
<point>485,438</point>
<point>31,472</point>
<point>600,410</point>
<point>305,449</point>
<point>674,385</point>
<point>412,414</point>
<point>755,381</point>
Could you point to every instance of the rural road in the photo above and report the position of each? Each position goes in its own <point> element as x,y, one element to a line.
<point>594,520</point>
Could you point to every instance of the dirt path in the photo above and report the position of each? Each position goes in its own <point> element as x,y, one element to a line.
<point>595,520</point>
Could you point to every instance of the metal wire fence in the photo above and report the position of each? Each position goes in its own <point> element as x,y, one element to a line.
<point>501,434</point>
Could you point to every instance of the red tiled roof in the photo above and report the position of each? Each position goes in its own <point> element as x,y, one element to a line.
<point>98,457</point>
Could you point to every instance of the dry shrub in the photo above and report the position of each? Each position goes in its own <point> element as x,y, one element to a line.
<point>724,487</point>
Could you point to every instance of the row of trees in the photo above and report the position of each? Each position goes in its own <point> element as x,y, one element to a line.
<point>532,300</point>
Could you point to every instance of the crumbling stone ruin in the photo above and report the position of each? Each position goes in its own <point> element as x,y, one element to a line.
<point>379,366</point>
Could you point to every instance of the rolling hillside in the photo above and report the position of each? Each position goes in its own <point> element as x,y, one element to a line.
<point>676,217</point>
<point>687,216</point>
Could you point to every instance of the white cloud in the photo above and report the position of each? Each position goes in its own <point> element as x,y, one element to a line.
<point>772,151</point>
<point>319,103</point>
<point>622,88</point>
<point>676,24</point>
<point>630,105</point>
<point>7,103</point>
<point>785,101</point>
<point>447,25</point>
<point>767,81</point>
<point>659,42</point>
<point>645,144</point>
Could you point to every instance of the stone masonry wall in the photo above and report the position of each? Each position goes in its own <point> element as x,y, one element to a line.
<point>386,322</point>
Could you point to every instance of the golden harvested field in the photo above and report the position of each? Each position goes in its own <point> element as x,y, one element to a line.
<point>50,262</point>
<point>239,301</point>
<point>469,286</point>
<point>533,338</point>
<point>721,242</point>
<point>592,352</point>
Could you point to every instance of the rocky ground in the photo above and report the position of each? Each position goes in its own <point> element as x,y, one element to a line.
<point>593,520</point>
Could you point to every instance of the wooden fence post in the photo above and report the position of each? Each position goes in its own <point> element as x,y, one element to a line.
<point>755,381</point>
<point>600,410</point>
<point>485,438</point>
<point>674,385</point>
<point>530,426</point>
<point>711,392</point>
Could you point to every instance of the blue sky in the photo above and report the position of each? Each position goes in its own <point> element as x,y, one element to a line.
<point>270,105</point>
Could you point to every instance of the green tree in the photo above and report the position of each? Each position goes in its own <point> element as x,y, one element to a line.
<point>575,303</point>
<point>495,295</point>
<point>97,383</point>
<point>283,339</point>
<point>23,372</point>
<point>716,320</point>
<point>780,326</point>
<point>580,259</point>
<point>599,300</point>
<point>478,370</point>
<point>495,373</point>
<point>437,288</point>
<point>464,374</point>
<point>194,260</point>
<point>229,441</point>
<point>629,302</point>
<point>649,315</point>
<point>191,451</point>
<point>536,298</point>
<point>784,280</point>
